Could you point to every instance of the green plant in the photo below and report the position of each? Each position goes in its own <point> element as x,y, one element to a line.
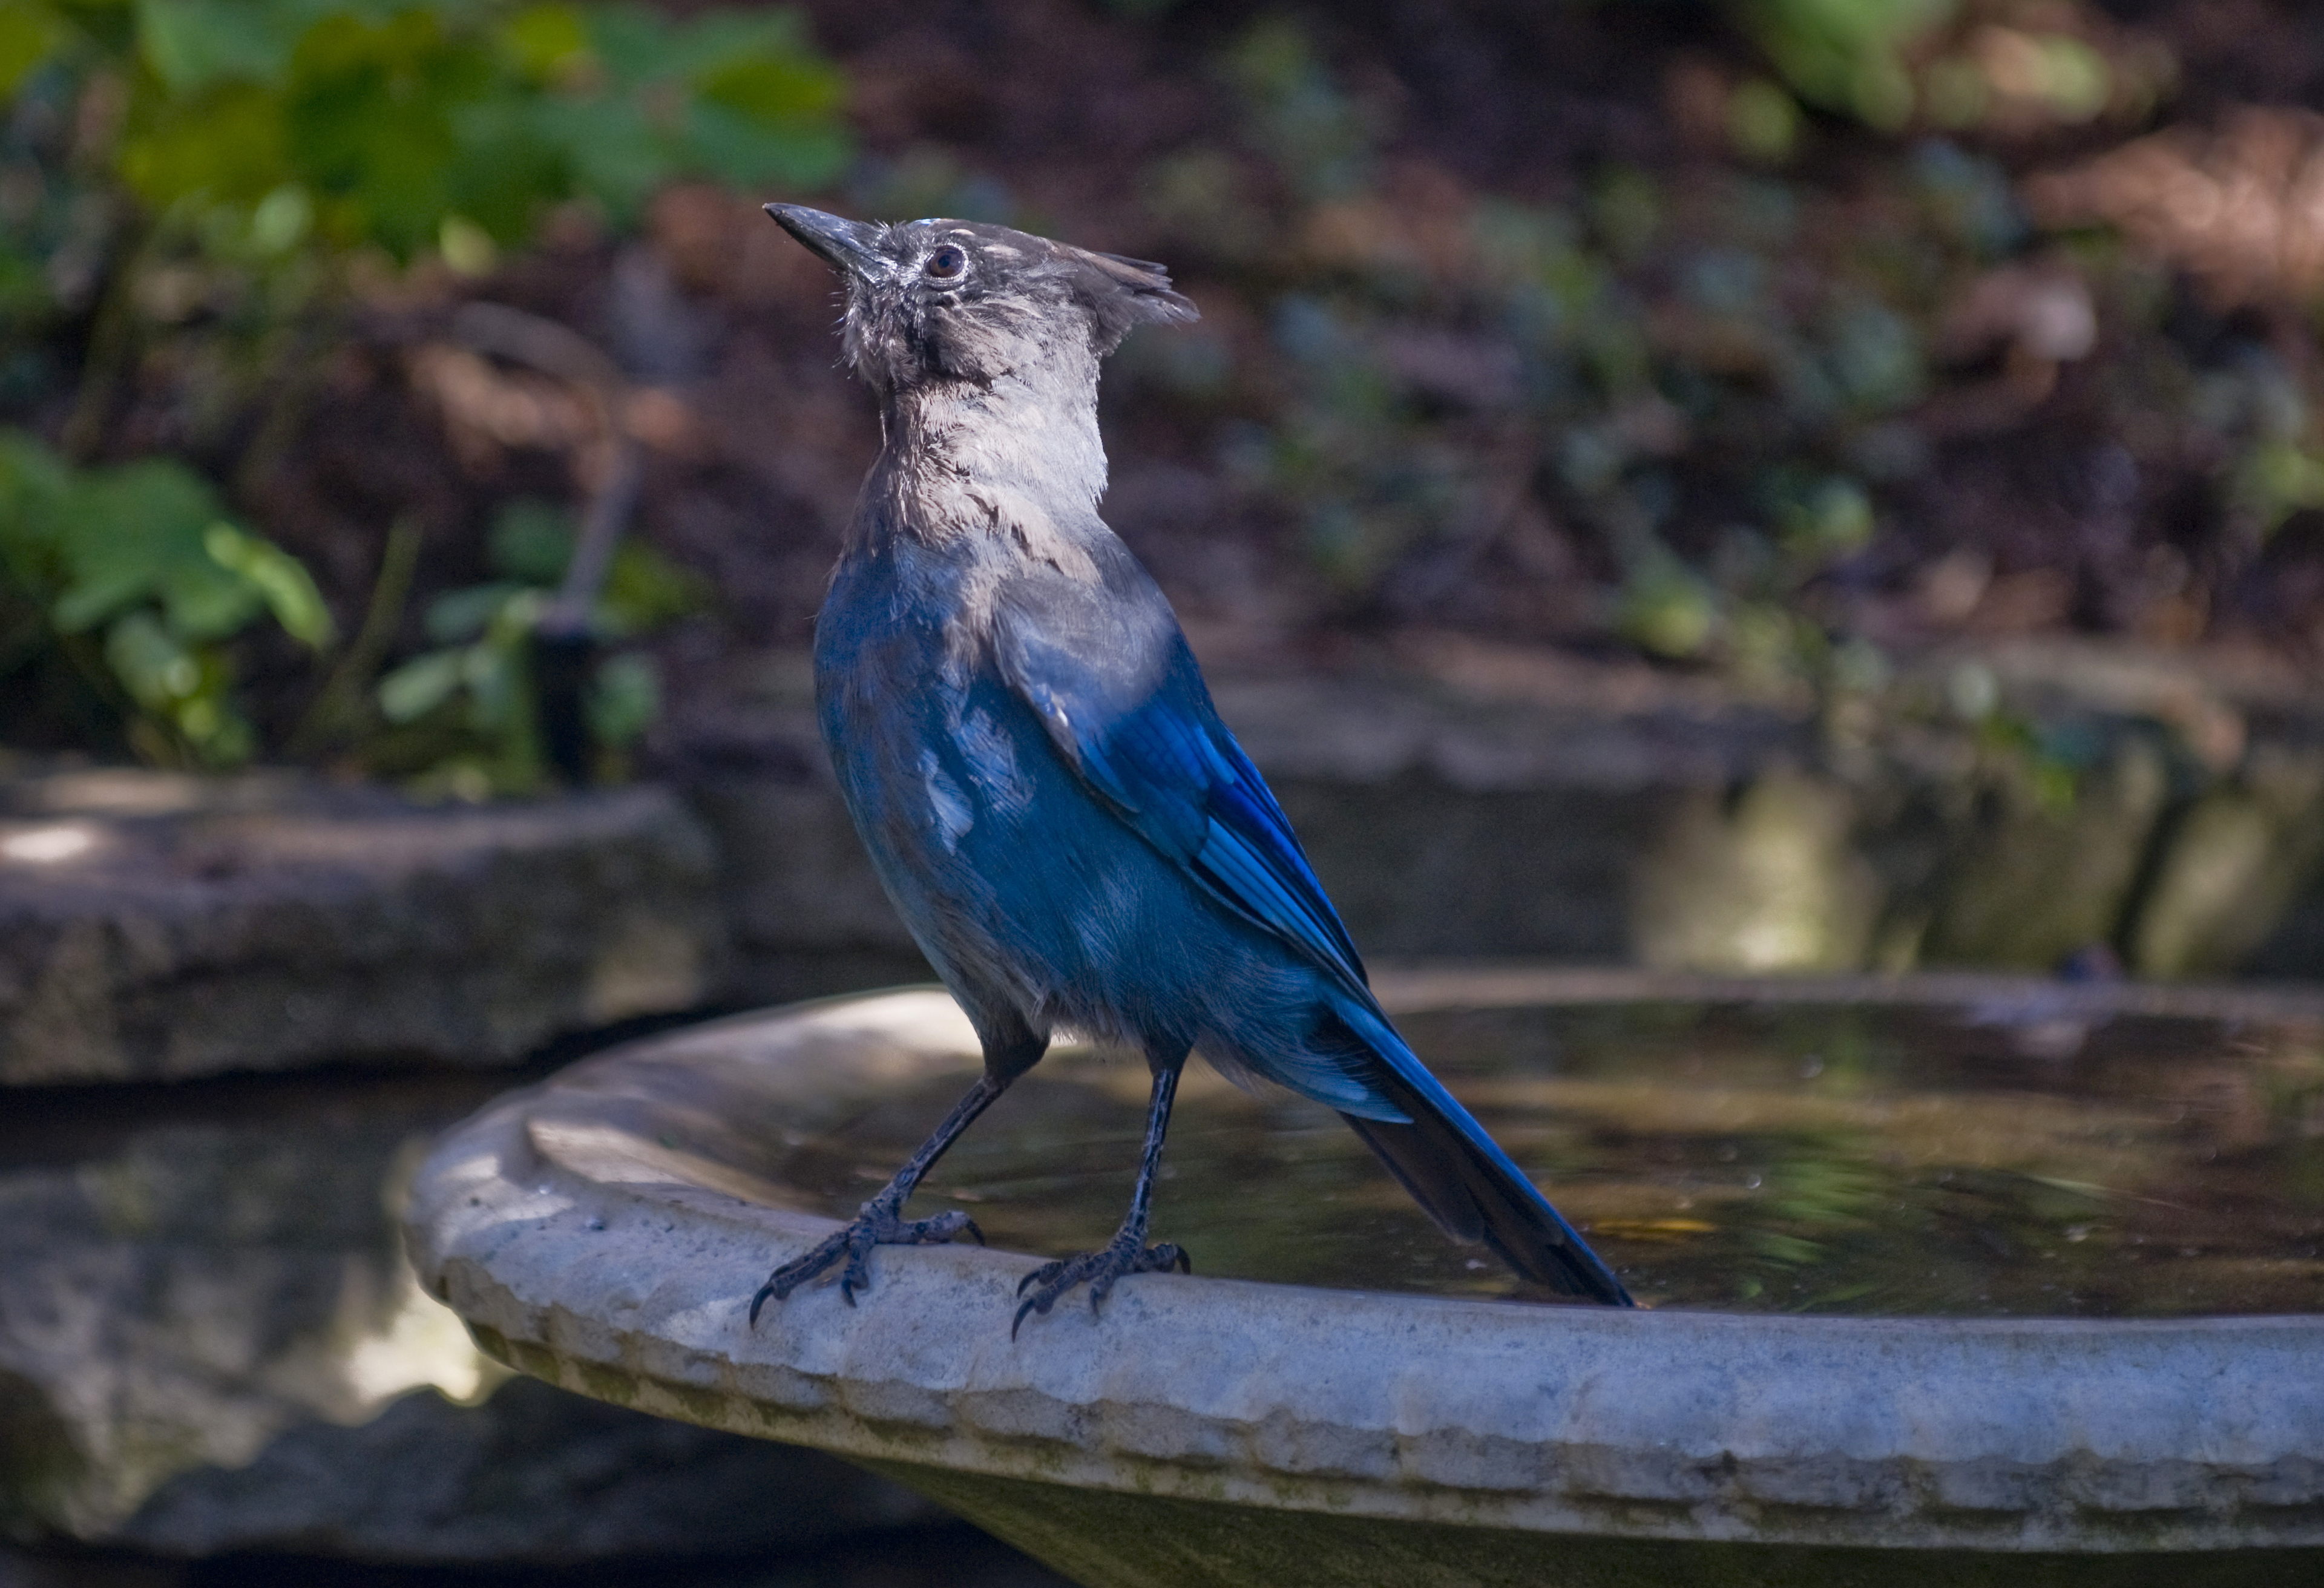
<point>137,578</point>
<point>1847,55</point>
<point>206,173</point>
<point>451,125</point>
<point>2001,65</point>
<point>200,185</point>
<point>467,709</point>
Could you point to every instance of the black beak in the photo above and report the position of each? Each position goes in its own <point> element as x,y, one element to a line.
<point>851,247</point>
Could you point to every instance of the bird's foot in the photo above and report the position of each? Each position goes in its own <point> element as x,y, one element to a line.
<point>1097,1270</point>
<point>876,1224</point>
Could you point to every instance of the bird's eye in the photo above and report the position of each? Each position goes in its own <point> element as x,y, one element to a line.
<point>946,262</point>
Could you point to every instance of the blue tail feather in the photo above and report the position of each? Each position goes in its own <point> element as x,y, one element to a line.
<point>1459,1175</point>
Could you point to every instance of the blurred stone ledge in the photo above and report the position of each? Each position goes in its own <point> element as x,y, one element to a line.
<point>1467,804</point>
<point>160,926</point>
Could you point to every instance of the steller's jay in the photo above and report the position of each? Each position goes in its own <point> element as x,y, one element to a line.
<point>1032,757</point>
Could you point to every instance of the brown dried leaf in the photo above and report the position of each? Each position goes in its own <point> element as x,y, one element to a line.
<point>2241,209</point>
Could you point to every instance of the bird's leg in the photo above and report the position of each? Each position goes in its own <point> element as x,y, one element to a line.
<point>1127,1252</point>
<point>880,1221</point>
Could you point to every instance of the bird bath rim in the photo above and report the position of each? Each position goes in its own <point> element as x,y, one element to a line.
<point>579,1250</point>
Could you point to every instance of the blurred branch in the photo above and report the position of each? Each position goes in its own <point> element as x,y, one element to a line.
<point>112,342</point>
<point>558,350</point>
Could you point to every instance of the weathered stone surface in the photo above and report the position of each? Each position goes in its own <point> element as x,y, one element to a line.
<point>2033,881</point>
<point>591,1234</point>
<point>2232,866</point>
<point>183,1278</point>
<point>1466,822</point>
<point>210,1342</point>
<point>162,926</point>
<point>1767,881</point>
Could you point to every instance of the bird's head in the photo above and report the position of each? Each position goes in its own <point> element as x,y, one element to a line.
<point>953,301</point>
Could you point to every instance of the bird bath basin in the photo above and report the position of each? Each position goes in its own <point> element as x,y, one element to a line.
<point>1948,1280</point>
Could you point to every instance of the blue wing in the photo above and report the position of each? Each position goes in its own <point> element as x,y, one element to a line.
<point>1169,769</point>
<point>1126,705</point>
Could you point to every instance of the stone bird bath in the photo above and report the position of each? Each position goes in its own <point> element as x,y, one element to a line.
<point>1839,1197</point>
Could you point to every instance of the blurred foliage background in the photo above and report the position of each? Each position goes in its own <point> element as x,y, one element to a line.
<point>415,388</point>
<point>203,192</point>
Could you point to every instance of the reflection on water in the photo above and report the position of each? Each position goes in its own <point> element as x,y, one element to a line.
<point>1809,1159</point>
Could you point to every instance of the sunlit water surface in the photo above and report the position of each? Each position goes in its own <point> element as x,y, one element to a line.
<point>1803,1158</point>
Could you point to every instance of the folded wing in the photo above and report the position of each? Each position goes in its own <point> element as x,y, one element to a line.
<point>1142,734</point>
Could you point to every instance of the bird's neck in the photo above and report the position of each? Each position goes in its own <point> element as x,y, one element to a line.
<point>1021,452</point>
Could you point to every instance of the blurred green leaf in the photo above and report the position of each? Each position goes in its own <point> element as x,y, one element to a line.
<point>470,703</point>
<point>740,149</point>
<point>134,534</point>
<point>612,152</point>
<point>369,110</point>
<point>226,144</point>
<point>1667,609</point>
<point>191,44</point>
<point>421,685</point>
<point>143,553</point>
<point>30,32</point>
<point>1825,519</point>
<point>780,91</point>
<point>1846,55</point>
<point>404,123</point>
<point>281,579</point>
<point>34,482</point>
<point>644,590</point>
<point>282,219</point>
<point>2277,478</point>
<point>531,542</point>
<point>156,668</point>
<point>462,615</point>
<point>1762,122</point>
<point>184,686</point>
<point>550,43</point>
<point>624,700</point>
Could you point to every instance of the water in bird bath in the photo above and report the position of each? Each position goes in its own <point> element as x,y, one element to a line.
<point>1863,1159</point>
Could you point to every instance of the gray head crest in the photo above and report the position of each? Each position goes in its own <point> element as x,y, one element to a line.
<point>955,299</point>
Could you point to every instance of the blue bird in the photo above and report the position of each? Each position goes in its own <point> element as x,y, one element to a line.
<point>1048,796</point>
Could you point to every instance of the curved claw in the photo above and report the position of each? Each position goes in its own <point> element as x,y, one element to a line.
<point>799,1270</point>
<point>1099,1271</point>
<point>875,1226</point>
